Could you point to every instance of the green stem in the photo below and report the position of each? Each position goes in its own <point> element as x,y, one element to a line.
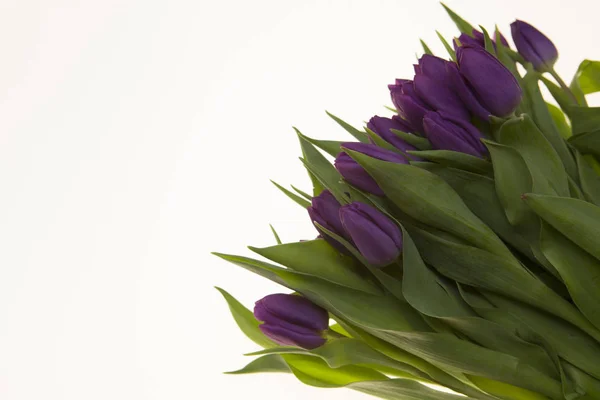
<point>563,85</point>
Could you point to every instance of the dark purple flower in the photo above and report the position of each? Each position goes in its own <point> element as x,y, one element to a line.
<point>377,237</point>
<point>292,320</point>
<point>477,39</point>
<point>534,46</point>
<point>382,127</point>
<point>485,85</point>
<point>355,174</point>
<point>324,210</point>
<point>410,107</point>
<point>446,132</point>
<point>434,88</point>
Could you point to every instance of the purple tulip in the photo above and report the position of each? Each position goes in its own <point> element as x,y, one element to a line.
<point>446,132</point>
<point>356,174</point>
<point>292,320</point>
<point>485,86</point>
<point>477,39</point>
<point>382,127</point>
<point>434,88</point>
<point>534,46</point>
<point>410,107</point>
<point>324,210</point>
<point>377,238</point>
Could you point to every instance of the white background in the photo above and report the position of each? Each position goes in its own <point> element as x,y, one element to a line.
<point>137,136</point>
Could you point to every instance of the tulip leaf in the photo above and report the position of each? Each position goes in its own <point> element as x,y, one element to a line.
<point>359,135</point>
<point>559,120</point>
<point>469,358</point>
<point>245,320</point>
<point>488,44</point>
<point>547,170</point>
<point>428,199</point>
<point>457,160</point>
<point>299,200</point>
<point>588,76</point>
<point>277,238</point>
<point>587,143</point>
<point>331,147</point>
<point>379,141</point>
<point>267,363</point>
<point>576,219</point>
<point>589,385</point>
<point>590,180</point>
<point>562,97</point>
<point>419,142</point>
<point>302,193</point>
<point>342,352</point>
<point>447,46</point>
<point>403,389</point>
<point>547,128</point>
<point>461,24</point>
<point>426,48</point>
<point>584,120</point>
<point>319,258</point>
<point>479,194</point>
<point>579,270</point>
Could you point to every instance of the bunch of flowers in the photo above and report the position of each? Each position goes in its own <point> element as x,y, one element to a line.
<point>458,241</point>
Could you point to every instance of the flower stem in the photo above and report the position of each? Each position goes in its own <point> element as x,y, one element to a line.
<point>563,85</point>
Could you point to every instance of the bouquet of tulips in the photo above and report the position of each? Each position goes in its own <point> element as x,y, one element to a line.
<point>458,241</point>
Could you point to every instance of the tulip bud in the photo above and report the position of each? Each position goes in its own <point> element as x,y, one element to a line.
<point>383,126</point>
<point>479,40</point>
<point>291,320</point>
<point>534,46</point>
<point>433,86</point>
<point>410,107</point>
<point>485,85</point>
<point>324,210</point>
<point>356,174</point>
<point>377,237</point>
<point>446,132</point>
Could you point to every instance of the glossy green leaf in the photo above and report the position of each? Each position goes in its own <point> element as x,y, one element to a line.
<point>268,363</point>
<point>457,160</point>
<point>302,193</point>
<point>576,219</point>
<point>544,164</point>
<point>588,76</point>
<point>579,270</point>
<point>461,24</point>
<point>403,389</point>
<point>560,121</point>
<point>543,120</point>
<point>245,320</point>
<point>358,134</point>
<point>590,180</point>
<point>299,200</point>
<point>489,45</point>
<point>427,198</point>
<point>331,147</point>
<point>447,46</point>
<point>419,142</point>
<point>584,120</point>
<point>587,143</point>
<point>590,385</point>
<point>319,258</point>
<point>426,48</point>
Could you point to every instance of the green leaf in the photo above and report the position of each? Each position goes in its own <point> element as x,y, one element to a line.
<point>587,143</point>
<point>576,219</point>
<point>419,142</point>
<point>489,45</point>
<point>268,363</point>
<point>299,200</point>
<point>543,120</point>
<point>562,97</point>
<point>319,258</point>
<point>559,120</point>
<point>588,76</point>
<point>245,320</point>
<point>590,180</point>
<point>428,199</point>
<point>457,160</point>
<point>426,48</point>
<point>447,46</point>
<point>590,385</point>
<point>331,147</point>
<point>302,193</point>
<point>277,239</point>
<point>461,24</point>
<point>547,170</point>
<point>403,389</point>
<point>359,135</point>
<point>584,120</point>
<point>379,141</point>
<point>579,270</point>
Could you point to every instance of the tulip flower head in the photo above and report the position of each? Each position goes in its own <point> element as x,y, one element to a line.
<point>292,320</point>
<point>446,132</point>
<point>410,107</point>
<point>377,237</point>
<point>324,210</point>
<point>534,46</point>
<point>382,127</point>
